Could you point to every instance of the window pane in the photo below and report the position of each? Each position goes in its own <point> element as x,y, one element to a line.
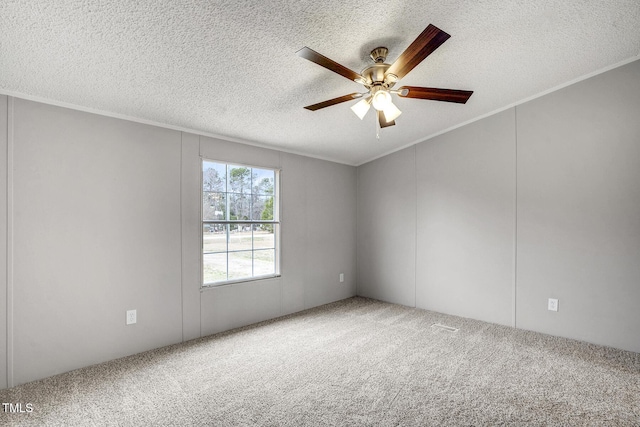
<point>262,209</point>
<point>239,179</point>
<point>263,181</point>
<point>214,176</point>
<point>240,237</point>
<point>239,207</point>
<point>214,238</point>
<point>214,267</point>
<point>263,236</point>
<point>240,265</point>
<point>213,206</point>
<point>264,262</point>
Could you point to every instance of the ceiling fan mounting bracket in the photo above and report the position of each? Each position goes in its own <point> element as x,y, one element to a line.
<point>379,54</point>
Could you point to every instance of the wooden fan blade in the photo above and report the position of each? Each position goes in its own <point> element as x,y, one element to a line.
<point>327,63</point>
<point>435,94</point>
<point>428,41</point>
<point>383,121</point>
<point>333,101</point>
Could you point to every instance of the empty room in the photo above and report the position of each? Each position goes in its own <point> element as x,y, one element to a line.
<point>303,213</point>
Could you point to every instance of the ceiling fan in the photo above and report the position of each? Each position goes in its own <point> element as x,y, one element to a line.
<point>380,78</point>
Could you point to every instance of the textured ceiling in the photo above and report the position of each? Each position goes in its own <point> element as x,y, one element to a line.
<point>229,68</point>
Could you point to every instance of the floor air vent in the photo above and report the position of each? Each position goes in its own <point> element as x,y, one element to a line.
<point>444,327</point>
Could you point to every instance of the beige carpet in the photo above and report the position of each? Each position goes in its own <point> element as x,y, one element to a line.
<point>350,363</point>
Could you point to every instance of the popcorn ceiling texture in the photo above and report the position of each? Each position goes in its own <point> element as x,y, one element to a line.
<point>229,68</point>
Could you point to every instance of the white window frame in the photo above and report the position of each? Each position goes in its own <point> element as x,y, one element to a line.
<point>275,223</point>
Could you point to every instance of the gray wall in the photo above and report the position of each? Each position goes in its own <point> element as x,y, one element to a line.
<point>387,228</point>
<point>539,201</point>
<point>466,220</point>
<point>3,239</point>
<point>318,240</point>
<point>106,217</point>
<point>579,210</point>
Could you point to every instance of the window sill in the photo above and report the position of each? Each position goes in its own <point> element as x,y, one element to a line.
<point>236,282</point>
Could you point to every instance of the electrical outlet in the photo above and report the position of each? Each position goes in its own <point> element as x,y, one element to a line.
<point>132,317</point>
<point>553,304</point>
<point>341,277</point>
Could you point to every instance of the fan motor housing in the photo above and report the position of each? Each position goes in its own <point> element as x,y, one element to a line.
<point>375,74</point>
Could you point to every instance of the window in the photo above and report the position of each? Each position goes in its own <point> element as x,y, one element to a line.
<point>240,223</point>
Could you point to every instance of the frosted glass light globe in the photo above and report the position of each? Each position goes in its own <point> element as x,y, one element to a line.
<point>381,99</point>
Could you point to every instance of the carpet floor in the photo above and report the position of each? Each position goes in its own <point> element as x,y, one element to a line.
<point>356,362</point>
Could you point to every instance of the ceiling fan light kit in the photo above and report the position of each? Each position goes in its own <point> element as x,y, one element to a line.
<point>379,78</point>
